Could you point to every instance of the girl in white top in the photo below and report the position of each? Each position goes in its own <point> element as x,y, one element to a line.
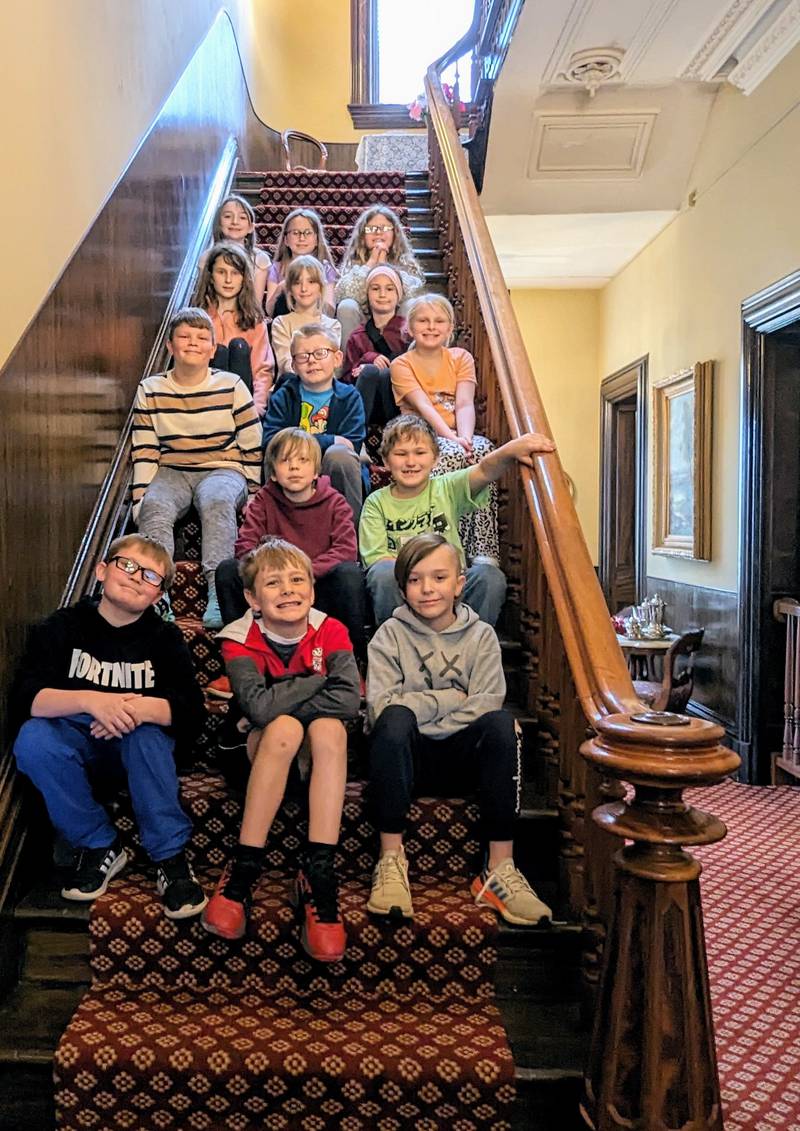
<point>377,239</point>
<point>305,285</point>
<point>235,221</point>
<point>302,234</point>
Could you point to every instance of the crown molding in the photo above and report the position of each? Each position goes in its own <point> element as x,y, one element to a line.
<point>723,37</point>
<point>767,52</point>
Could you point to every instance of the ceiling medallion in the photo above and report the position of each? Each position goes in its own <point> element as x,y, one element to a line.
<point>593,67</point>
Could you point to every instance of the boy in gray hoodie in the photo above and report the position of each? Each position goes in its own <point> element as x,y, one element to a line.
<point>435,691</point>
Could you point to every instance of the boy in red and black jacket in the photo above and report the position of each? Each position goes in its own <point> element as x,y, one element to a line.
<point>294,677</point>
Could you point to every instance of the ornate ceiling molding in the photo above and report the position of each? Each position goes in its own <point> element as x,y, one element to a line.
<point>723,38</point>
<point>632,45</point>
<point>565,44</point>
<point>768,51</point>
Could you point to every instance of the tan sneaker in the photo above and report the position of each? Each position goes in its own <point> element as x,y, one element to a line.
<point>390,893</point>
<point>506,890</point>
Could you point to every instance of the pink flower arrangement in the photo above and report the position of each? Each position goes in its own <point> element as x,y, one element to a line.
<point>418,109</point>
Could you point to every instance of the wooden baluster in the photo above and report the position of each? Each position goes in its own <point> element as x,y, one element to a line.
<point>652,1062</point>
<point>789,698</point>
<point>793,631</point>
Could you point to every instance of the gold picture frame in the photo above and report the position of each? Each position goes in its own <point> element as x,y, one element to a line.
<point>682,415</point>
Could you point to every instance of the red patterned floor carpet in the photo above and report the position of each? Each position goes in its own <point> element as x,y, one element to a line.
<point>751,903</point>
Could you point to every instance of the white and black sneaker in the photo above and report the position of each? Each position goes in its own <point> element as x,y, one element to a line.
<point>94,869</point>
<point>180,892</point>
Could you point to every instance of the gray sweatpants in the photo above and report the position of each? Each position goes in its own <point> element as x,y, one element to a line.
<point>217,496</point>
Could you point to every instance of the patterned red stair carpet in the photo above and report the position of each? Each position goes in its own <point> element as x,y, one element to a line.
<point>183,1030</point>
<point>751,905</point>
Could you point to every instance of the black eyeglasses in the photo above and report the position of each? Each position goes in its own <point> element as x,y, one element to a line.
<point>319,355</point>
<point>129,566</point>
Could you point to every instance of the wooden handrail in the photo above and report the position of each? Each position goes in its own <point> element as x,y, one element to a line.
<point>601,675</point>
<point>652,1061</point>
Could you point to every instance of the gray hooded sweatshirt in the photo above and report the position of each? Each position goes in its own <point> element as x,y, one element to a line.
<point>448,679</point>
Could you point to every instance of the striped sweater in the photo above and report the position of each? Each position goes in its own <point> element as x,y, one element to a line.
<point>200,428</point>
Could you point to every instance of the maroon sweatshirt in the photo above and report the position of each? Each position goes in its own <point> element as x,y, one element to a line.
<point>322,527</point>
<point>362,349</point>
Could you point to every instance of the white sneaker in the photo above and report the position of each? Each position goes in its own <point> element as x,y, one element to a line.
<point>391,894</point>
<point>506,890</point>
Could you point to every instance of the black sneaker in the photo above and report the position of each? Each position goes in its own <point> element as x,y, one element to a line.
<point>180,892</point>
<point>94,869</point>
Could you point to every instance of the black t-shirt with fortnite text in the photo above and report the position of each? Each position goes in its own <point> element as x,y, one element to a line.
<point>76,649</point>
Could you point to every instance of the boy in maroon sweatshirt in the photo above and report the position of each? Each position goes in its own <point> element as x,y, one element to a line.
<point>300,506</point>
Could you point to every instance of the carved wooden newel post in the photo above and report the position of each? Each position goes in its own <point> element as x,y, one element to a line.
<point>652,1065</point>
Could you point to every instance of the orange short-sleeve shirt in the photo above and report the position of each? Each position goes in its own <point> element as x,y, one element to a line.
<point>408,374</point>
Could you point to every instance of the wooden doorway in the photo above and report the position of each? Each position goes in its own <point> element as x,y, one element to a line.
<point>623,448</point>
<point>769,554</point>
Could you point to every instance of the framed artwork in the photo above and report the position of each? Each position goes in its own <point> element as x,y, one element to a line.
<point>682,409</point>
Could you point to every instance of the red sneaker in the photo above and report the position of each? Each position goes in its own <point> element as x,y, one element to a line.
<point>322,934</point>
<point>224,916</point>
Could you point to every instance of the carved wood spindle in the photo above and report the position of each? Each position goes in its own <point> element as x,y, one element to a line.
<point>652,1063</point>
<point>793,632</point>
<point>789,684</point>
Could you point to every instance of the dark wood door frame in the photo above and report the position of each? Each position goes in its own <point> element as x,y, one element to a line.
<point>770,309</point>
<point>632,379</point>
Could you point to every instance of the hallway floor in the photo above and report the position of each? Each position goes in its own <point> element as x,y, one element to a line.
<point>751,904</point>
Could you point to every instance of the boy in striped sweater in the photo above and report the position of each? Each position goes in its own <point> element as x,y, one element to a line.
<point>196,440</point>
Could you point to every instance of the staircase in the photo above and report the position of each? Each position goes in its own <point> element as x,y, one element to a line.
<point>182,1030</point>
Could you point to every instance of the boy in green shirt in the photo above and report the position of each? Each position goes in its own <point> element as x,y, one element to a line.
<point>416,502</point>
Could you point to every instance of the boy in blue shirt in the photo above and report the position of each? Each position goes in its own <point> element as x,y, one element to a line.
<point>312,399</point>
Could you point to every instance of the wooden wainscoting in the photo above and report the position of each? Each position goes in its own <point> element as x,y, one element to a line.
<point>66,390</point>
<point>716,669</point>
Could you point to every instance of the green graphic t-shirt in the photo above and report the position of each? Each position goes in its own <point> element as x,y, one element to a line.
<point>386,522</point>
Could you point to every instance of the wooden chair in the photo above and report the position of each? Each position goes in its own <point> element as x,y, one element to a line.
<point>675,689</point>
<point>297,135</point>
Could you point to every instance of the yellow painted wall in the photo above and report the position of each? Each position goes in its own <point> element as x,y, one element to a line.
<point>82,83</point>
<point>679,300</point>
<point>301,72</point>
<point>561,329</point>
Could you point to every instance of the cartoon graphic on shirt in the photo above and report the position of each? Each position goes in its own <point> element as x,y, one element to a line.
<point>400,530</point>
<point>314,421</point>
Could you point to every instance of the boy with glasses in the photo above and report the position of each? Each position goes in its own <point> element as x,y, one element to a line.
<point>332,412</point>
<point>107,687</point>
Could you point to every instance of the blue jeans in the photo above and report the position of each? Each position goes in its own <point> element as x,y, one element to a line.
<point>58,755</point>
<point>485,590</point>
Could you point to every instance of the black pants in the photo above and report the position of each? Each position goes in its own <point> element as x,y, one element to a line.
<point>375,386</point>
<point>485,754</point>
<point>235,358</point>
<point>341,593</point>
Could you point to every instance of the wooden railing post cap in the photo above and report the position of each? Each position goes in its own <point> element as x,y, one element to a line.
<point>668,756</point>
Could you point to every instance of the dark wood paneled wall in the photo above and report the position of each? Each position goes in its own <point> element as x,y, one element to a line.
<point>66,390</point>
<point>717,663</point>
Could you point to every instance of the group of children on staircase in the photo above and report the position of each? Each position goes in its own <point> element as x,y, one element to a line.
<point>108,685</point>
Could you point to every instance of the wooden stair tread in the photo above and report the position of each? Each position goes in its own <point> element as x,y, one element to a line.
<point>33,1019</point>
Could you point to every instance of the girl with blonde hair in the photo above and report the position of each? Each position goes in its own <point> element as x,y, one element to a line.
<point>437,381</point>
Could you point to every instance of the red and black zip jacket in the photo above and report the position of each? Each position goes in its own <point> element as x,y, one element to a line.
<point>320,681</point>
